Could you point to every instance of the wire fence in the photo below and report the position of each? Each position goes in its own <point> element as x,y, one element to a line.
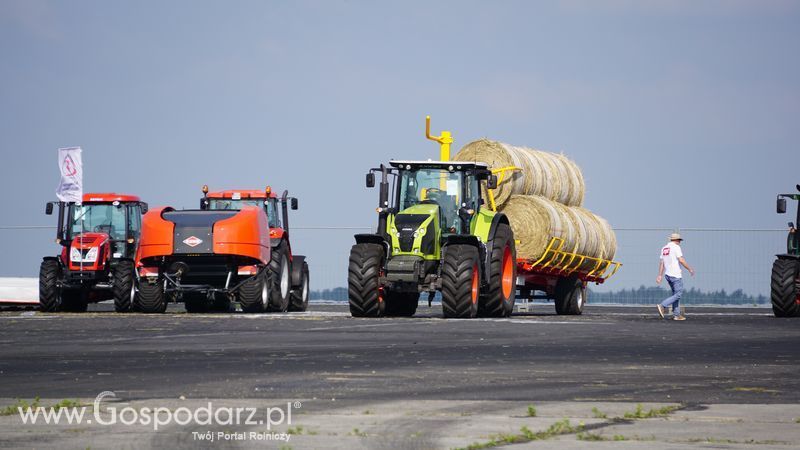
<point>733,265</point>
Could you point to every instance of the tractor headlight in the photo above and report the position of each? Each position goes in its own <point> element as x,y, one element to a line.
<point>91,256</point>
<point>75,255</point>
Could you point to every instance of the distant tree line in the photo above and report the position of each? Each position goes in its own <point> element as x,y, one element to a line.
<point>641,296</point>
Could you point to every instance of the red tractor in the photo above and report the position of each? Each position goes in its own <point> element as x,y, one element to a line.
<point>288,273</point>
<point>99,238</point>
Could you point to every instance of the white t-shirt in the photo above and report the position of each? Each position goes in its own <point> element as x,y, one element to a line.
<point>669,255</point>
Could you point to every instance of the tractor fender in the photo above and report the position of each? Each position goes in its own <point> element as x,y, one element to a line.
<point>54,258</point>
<point>368,238</point>
<point>468,239</point>
<point>276,236</point>
<point>789,257</point>
<point>297,269</point>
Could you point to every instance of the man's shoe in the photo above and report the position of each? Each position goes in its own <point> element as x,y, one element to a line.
<point>679,318</point>
<point>660,310</point>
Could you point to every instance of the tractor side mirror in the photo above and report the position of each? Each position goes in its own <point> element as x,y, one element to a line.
<point>491,182</point>
<point>370,180</point>
<point>781,207</point>
<point>294,203</point>
<point>797,186</point>
<point>48,208</point>
<point>144,208</point>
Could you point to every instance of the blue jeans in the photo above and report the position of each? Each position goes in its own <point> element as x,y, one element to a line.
<point>676,284</point>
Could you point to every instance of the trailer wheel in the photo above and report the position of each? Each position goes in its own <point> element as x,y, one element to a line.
<point>570,296</point>
<point>460,281</point>
<point>124,287</point>
<point>254,293</point>
<point>299,296</point>
<point>498,298</point>
<point>401,304</point>
<point>784,289</point>
<point>49,298</point>
<point>196,302</point>
<point>74,300</point>
<point>151,298</point>
<point>280,276</point>
<point>363,288</point>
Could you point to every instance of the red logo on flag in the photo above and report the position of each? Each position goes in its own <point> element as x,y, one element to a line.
<point>69,167</point>
<point>193,241</point>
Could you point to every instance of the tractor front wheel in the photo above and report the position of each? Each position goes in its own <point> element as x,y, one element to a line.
<point>151,298</point>
<point>570,296</point>
<point>461,280</point>
<point>299,296</point>
<point>785,288</point>
<point>363,287</point>
<point>124,286</point>
<point>254,293</point>
<point>49,297</point>
<point>499,295</point>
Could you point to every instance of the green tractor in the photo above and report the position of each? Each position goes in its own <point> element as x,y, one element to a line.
<point>785,286</point>
<point>435,234</point>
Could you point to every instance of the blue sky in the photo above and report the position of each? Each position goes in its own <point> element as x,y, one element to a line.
<point>681,114</point>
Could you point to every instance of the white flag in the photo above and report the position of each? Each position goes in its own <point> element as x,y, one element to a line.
<point>71,187</point>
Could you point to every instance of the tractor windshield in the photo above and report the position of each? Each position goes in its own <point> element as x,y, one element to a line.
<point>99,218</point>
<point>227,203</point>
<point>433,186</point>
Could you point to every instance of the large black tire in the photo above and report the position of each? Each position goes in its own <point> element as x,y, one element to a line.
<point>460,281</point>
<point>784,288</point>
<point>196,302</point>
<point>280,278</point>
<point>570,296</point>
<point>49,297</point>
<point>254,293</point>
<point>363,289</point>
<point>299,295</point>
<point>124,286</point>
<point>151,298</point>
<point>401,304</point>
<point>497,299</point>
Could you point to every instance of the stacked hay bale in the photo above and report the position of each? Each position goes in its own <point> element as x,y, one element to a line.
<point>543,200</point>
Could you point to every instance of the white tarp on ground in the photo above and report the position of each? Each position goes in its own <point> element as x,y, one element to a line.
<point>15,290</point>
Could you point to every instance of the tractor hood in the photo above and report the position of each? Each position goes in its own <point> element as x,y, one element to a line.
<point>88,240</point>
<point>413,230</point>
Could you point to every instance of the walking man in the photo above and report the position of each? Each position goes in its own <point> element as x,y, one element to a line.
<point>670,266</point>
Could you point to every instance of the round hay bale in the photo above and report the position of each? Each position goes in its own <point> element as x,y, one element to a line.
<point>535,220</point>
<point>550,175</point>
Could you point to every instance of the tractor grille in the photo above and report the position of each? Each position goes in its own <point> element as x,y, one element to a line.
<point>406,225</point>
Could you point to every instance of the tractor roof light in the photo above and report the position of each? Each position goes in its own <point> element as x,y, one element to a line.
<point>205,189</point>
<point>268,190</point>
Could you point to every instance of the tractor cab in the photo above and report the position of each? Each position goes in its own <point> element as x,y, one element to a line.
<point>104,227</point>
<point>275,207</point>
<point>793,239</point>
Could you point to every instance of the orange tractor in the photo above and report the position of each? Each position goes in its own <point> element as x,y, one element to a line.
<point>99,238</point>
<point>288,272</point>
<point>210,257</point>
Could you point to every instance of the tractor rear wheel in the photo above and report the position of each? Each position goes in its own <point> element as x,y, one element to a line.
<point>570,296</point>
<point>151,298</point>
<point>49,297</point>
<point>461,280</point>
<point>363,287</point>
<point>124,286</point>
<point>401,304</point>
<point>299,296</point>
<point>498,298</point>
<point>784,288</point>
<point>280,276</point>
<point>254,293</point>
